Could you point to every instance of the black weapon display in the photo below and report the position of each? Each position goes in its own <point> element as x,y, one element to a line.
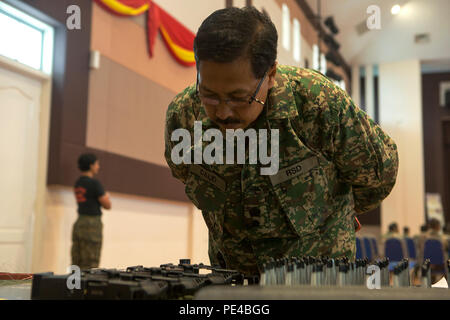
<point>169,281</point>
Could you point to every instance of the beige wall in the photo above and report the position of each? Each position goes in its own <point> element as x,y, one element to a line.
<point>137,231</point>
<point>401,117</point>
<point>192,13</point>
<point>126,113</point>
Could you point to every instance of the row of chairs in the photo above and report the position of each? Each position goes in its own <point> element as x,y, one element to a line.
<point>397,249</point>
<point>367,247</point>
<point>432,249</point>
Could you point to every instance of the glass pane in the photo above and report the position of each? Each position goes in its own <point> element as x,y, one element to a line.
<point>316,57</point>
<point>286,23</point>
<point>21,42</point>
<point>297,40</point>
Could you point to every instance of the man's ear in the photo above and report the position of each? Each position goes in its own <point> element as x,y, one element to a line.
<point>271,75</point>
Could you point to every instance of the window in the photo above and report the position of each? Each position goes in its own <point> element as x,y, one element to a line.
<point>315,57</point>
<point>323,64</point>
<point>296,40</point>
<point>27,40</point>
<point>286,27</point>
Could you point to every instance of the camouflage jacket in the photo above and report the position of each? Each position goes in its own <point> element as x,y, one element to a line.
<point>347,166</point>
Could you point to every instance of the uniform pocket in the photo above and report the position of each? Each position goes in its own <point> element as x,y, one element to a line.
<point>305,199</point>
<point>207,197</point>
<point>262,213</point>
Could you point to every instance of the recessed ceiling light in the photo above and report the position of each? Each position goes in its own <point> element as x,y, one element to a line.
<point>396,9</point>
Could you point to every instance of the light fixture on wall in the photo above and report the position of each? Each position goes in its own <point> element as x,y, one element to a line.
<point>94,62</point>
<point>396,9</point>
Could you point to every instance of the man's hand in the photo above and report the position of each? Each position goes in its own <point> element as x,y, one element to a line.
<point>105,201</point>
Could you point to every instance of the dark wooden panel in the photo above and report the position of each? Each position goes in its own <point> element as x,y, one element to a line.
<point>371,218</point>
<point>446,134</point>
<point>124,175</point>
<point>446,151</point>
<point>437,164</point>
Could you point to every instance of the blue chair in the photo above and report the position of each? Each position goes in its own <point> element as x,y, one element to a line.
<point>394,251</point>
<point>411,247</point>
<point>359,252</point>
<point>433,250</point>
<point>368,248</point>
<point>375,246</point>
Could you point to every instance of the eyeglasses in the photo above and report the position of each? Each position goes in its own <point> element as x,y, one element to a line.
<point>231,102</point>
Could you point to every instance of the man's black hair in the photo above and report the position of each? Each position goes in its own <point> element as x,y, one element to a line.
<point>86,160</point>
<point>424,228</point>
<point>434,224</point>
<point>231,33</point>
<point>405,229</point>
<point>393,226</point>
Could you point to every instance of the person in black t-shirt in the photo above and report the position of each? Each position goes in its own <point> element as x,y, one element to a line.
<point>87,231</point>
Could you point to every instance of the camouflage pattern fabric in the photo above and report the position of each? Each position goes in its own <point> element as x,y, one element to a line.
<point>87,241</point>
<point>349,166</point>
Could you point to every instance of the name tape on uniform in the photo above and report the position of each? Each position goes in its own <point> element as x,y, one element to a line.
<point>294,170</point>
<point>209,176</point>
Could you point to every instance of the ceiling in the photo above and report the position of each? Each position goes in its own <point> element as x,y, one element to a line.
<point>395,40</point>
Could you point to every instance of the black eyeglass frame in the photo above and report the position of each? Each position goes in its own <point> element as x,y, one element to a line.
<point>251,99</point>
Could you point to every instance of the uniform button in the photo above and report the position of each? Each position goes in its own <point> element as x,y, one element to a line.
<point>255,212</point>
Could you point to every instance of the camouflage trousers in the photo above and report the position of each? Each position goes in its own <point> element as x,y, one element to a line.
<point>87,236</point>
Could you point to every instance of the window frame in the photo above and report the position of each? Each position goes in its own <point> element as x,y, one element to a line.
<point>47,37</point>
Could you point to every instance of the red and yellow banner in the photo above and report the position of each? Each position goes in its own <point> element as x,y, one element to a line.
<point>125,7</point>
<point>178,39</point>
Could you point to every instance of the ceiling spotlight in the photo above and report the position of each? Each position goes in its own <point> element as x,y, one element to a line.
<point>396,9</point>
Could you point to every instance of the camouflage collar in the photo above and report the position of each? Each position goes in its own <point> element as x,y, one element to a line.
<point>206,122</point>
<point>280,103</point>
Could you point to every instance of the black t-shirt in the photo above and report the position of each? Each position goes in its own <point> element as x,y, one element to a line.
<point>87,191</point>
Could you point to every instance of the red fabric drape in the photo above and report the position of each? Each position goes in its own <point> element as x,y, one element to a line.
<point>178,39</point>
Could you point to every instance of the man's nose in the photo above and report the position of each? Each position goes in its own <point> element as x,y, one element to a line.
<point>223,111</point>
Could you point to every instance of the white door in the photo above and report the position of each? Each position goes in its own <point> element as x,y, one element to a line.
<point>20,98</point>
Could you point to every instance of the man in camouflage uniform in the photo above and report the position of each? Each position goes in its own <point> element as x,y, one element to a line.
<point>334,161</point>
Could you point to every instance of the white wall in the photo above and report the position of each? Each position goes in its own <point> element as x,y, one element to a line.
<point>401,117</point>
<point>355,86</point>
<point>370,92</point>
<point>191,13</point>
<point>137,231</point>
<point>395,40</point>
